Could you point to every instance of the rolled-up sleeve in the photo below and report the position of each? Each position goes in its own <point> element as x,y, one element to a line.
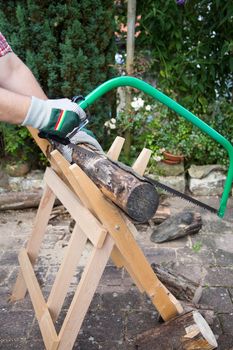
<point>4,46</point>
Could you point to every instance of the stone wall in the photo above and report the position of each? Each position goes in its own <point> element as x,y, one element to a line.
<point>206,180</point>
<point>199,180</point>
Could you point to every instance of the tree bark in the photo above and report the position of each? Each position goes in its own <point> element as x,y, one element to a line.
<point>131,19</point>
<point>133,194</point>
<point>185,332</point>
<point>179,286</point>
<point>130,47</point>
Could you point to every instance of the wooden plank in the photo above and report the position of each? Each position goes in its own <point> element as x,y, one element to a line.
<point>112,219</point>
<point>66,271</point>
<point>42,143</point>
<point>113,154</point>
<point>35,240</point>
<point>61,165</point>
<point>87,222</point>
<point>141,162</point>
<point>84,294</point>
<point>115,149</point>
<point>41,310</point>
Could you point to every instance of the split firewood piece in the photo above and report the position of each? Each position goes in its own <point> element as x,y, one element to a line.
<point>132,193</point>
<point>179,286</point>
<point>162,214</point>
<point>177,226</point>
<point>185,332</point>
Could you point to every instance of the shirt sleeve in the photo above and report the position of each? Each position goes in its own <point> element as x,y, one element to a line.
<point>4,46</point>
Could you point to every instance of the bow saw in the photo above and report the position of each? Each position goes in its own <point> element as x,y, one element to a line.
<point>181,111</point>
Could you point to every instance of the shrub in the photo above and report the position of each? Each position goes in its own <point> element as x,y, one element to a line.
<point>69,46</point>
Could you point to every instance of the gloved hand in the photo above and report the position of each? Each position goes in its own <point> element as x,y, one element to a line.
<point>84,136</point>
<point>57,117</point>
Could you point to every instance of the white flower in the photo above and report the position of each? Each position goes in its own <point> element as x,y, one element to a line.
<point>137,103</point>
<point>111,124</point>
<point>119,58</point>
<point>148,108</point>
<point>157,158</point>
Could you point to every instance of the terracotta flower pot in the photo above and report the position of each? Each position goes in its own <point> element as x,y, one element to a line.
<point>170,158</point>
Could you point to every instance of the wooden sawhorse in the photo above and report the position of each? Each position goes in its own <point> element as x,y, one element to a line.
<point>111,234</point>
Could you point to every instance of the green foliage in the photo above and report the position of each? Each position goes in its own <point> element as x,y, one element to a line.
<point>191,48</point>
<point>69,46</point>
<point>187,54</point>
<point>19,146</point>
<point>158,129</point>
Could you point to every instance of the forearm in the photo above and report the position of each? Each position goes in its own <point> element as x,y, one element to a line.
<point>13,106</point>
<point>17,77</point>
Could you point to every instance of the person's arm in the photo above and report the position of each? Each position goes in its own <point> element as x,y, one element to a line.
<point>15,76</point>
<point>13,106</point>
<point>22,101</point>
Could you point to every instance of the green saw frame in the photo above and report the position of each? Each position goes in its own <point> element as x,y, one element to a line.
<point>156,94</point>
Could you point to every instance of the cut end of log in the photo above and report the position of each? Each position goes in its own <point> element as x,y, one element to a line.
<point>187,332</point>
<point>142,203</point>
<point>205,329</point>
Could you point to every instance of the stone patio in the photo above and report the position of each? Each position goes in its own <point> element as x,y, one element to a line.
<point>118,311</point>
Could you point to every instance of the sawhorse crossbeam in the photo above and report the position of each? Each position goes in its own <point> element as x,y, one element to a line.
<point>111,235</point>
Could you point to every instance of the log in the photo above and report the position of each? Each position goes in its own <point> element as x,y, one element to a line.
<point>185,332</point>
<point>179,286</point>
<point>177,226</point>
<point>20,200</point>
<point>206,311</point>
<point>136,196</point>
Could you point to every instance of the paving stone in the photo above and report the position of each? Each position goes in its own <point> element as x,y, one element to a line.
<point>197,253</point>
<point>219,298</point>
<point>226,321</point>
<point>14,343</point>
<point>219,276</point>
<point>216,326</point>
<point>96,325</point>
<point>9,258</point>
<point>230,290</point>
<point>92,344</point>
<point>223,258</point>
<point>15,324</point>
<point>4,273</point>
<point>140,321</point>
<point>193,272</point>
<point>225,342</point>
<point>24,304</point>
<point>160,255</point>
<point>34,344</point>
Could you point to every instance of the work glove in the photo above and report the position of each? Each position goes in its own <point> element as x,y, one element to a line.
<point>83,136</point>
<point>54,117</point>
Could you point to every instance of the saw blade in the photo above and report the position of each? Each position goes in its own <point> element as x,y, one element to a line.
<point>90,154</point>
<point>181,195</point>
